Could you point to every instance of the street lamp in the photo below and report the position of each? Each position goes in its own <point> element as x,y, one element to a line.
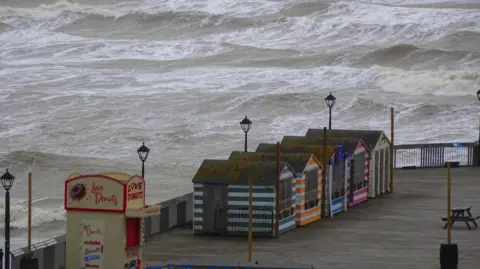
<point>7,183</point>
<point>330,101</point>
<point>246,124</point>
<point>143,155</point>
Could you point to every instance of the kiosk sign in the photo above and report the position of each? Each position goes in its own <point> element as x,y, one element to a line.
<point>136,193</point>
<point>92,193</point>
<point>92,243</point>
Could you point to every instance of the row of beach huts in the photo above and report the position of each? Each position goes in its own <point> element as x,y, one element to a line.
<point>354,163</point>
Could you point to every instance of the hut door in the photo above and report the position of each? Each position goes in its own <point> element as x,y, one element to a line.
<point>352,181</point>
<point>382,170</point>
<point>215,203</point>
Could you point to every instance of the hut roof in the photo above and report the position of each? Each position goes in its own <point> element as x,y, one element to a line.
<point>349,145</point>
<point>298,161</point>
<point>369,137</point>
<point>238,171</point>
<point>316,150</point>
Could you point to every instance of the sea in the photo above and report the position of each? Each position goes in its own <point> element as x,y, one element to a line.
<point>84,82</point>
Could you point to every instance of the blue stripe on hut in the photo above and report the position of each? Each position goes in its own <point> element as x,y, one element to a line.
<point>336,172</point>
<point>308,208</point>
<point>357,167</point>
<point>221,194</point>
<point>378,145</point>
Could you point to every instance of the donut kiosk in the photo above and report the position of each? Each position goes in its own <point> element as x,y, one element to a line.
<point>105,220</point>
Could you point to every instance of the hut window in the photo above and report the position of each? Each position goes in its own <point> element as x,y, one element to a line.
<point>311,186</point>
<point>338,179</point>
<point>359,171</point>
<point>281,194</point>
<point>288,194</point>
<point>286,197</point>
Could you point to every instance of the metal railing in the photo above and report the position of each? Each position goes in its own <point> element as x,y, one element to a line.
<point>435,155</point>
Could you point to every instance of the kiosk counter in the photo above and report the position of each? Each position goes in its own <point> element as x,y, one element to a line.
<point>105,220</point>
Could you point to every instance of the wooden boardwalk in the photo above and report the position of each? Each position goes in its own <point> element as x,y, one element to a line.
<point>399,231</point>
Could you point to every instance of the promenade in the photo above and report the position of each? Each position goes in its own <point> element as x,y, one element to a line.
<point>397,231</point>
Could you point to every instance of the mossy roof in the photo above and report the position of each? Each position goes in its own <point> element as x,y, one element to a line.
<point>349,144</point>
<point>369,137</point>
<point>316,150</point>
<point>298,161</point>
<point>238,171</point>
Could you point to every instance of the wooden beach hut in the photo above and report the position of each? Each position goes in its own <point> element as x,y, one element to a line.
<point>353,165</point>
<point>320,155</point>
<point>221,193</point>
<point>308,181</point>
<point>337,178</point>
<point>379,145</point>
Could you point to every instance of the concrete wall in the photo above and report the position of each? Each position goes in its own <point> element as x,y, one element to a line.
<point>51,253</point>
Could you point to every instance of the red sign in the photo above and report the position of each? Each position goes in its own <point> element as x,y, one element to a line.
<point>135,191</point>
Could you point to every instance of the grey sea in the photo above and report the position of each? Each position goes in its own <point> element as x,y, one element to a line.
<point>84,83</point>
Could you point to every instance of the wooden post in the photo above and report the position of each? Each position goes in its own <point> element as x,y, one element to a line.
<point>449,228</point>
<point>29,212</point>
<point>324,170</point>
<point>250,217</point>
<point>277,193</point>
<point>392,140</point>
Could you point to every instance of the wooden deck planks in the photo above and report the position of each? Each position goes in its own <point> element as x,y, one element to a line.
<point>397,231</point>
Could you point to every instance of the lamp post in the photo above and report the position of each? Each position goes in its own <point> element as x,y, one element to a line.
<point>143,155</point>
<point>478,146</point>
<point>7,183</point>
<point>330,101</point>
<point>246,124</point>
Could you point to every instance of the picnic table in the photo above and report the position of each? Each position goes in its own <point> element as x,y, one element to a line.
<point>461,214</point>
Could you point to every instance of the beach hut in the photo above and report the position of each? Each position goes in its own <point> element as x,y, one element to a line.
<point>221,193</point>
<point>353,165</point>
<point>379,145</point>
<point>337,176</point>
<point>308,180</point>
<point>320,155</point>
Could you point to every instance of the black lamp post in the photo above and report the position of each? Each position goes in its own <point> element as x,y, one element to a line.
<point>246,124</point>
<point>330,101</point>
<point>143,155</point>
<point>7,183</point>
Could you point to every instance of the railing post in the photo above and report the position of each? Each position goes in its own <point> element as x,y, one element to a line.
<point>476,154</point>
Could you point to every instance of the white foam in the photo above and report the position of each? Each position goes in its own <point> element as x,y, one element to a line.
<point>19,215</point>
<point>423,82</point>
<point>347,23</point>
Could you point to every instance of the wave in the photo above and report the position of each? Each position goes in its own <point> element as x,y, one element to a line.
<point>25,160</point>
<point>40,216</point>
<point>412,55</point>
<point>5,27</point>
<point>463,36</point>
<point>162,25</point>
<point>424,82</point>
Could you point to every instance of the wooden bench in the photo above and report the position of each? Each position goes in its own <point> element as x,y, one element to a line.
<point>465,219</point>
<point>462,218</point>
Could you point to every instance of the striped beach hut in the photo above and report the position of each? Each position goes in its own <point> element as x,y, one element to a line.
<point>378,145</point>
<point>320,155</point>
<point>221,191</point>
<point>356,159</point>
<point>337,176</point>
<point>308,180</point>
